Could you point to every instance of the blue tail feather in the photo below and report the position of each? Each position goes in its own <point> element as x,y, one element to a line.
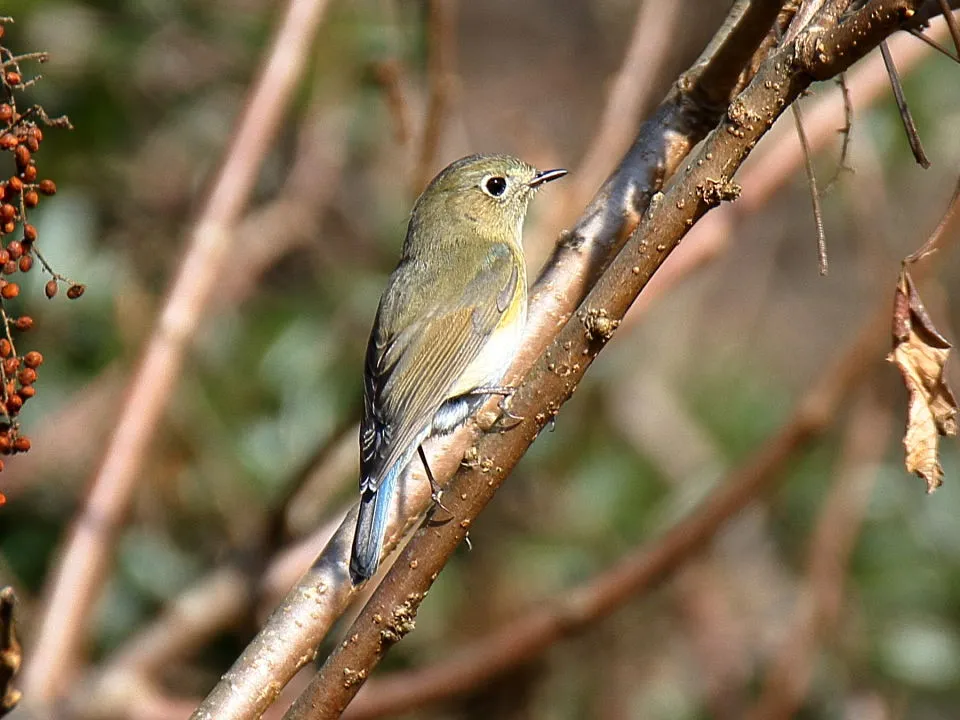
<point>372,526</point>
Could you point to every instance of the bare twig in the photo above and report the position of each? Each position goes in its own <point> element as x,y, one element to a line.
<point>693,106</point>
<point>441,59</point>
<point>86,558</point>
<point>846,131</point>
<point>951,23</point>
<point>936,237</point>
<point>820,52</point>
<point>920,35</point>
<point>908,125</point>
<point>812,183</point>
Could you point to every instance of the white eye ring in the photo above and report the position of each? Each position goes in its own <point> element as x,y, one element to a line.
<point>494,185</point>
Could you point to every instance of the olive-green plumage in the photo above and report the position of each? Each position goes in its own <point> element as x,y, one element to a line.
<point>448,325</point>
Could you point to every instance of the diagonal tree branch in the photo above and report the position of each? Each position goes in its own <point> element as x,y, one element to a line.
<point>524,638</point>
<point>822,50</point>
<point>692,107</point>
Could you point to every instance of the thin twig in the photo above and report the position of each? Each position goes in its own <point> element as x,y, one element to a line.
<point>908,125</point>
<point>920,35</point>
<point>84,563</point>
<point>812,184</point>
<point>951,23</point>
<point>936,237</point>
<point>846,131</point>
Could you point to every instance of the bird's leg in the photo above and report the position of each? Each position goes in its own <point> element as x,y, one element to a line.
<point>435,490</point>
<point>507,420</point>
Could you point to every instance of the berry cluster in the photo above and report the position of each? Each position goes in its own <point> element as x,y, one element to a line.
<point>20,139</point>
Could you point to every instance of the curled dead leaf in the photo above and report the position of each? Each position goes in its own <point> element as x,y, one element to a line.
<point>920,352</point>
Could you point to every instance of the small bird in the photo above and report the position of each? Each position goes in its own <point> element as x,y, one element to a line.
<point>447,328</point>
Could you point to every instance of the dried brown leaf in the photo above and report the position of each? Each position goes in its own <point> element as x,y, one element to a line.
<point>920,352</point>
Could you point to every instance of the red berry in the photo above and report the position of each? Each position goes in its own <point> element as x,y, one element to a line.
<point>22,156</point>
<point>14,403</point>
<point>32,359</point>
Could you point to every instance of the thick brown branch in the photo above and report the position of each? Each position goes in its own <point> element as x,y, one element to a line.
<point>292,633</point>
<point>704,182</point>
<point>527,636</point>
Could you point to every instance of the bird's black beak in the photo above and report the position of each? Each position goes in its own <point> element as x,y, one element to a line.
<point>545,176</point>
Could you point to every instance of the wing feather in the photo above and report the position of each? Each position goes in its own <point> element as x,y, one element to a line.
<point>410,370</point>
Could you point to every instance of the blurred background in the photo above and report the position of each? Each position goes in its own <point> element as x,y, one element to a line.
<point>845,573</point>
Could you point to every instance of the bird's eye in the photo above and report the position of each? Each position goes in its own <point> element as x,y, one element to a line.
<point>495,185</point>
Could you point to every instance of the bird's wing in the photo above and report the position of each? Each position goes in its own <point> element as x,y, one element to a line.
<point>410,371</point>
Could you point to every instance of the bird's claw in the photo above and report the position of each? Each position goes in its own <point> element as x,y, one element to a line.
<point>507,420</point>
<point>436,493</point>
